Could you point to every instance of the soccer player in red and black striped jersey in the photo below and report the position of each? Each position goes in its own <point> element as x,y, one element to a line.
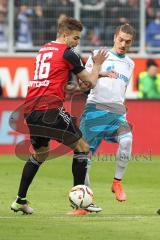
<point>44,112</point>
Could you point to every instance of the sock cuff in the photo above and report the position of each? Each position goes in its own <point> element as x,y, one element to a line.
<point>80,155</point>
<point>21,200</point>
<point>34,160</point>
<point>117,179</point>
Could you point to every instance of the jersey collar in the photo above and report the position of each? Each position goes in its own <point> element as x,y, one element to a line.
<point>115,54</point>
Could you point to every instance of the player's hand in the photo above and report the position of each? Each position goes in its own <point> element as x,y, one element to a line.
<point>70,88</point>
<point>111,74</point>
<point>84,86</point>
<point>101,56</point>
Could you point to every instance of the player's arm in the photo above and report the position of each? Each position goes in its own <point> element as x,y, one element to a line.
<point>91,77</point>
<point>79,69</point>
<point>89,65</point>
<point>84,86</point>
<point>80,87</point>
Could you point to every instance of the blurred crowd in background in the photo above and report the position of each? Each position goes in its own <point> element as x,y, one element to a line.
<point>35,20</point>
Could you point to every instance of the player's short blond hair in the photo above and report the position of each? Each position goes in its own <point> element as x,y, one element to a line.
<point>126,28</point>
<point>66,24</point>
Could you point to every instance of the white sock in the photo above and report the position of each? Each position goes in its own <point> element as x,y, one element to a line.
<point>123,154</point>
<point>119,171</point>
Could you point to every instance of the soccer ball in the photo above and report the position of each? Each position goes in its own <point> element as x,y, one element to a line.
<point>80,196</point>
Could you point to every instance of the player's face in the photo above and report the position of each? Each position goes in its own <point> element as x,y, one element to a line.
<point>122,42</point>
<point>72,38</point>
<point>153,71</point>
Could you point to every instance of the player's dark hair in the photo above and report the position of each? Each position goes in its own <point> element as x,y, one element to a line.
<point>151,62</point>
<point>126,28</point>
<point>66,23</point>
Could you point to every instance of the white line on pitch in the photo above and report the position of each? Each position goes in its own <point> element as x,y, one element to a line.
<point>85,217</point>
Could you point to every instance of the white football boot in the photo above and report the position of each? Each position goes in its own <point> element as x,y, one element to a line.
<point>25,208</point>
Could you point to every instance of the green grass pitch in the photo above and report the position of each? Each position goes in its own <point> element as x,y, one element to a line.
<point>134,219</point>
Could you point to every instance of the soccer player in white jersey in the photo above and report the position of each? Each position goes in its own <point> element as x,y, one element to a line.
<point>104,116</point>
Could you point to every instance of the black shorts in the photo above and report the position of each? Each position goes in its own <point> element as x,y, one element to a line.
<point>53,124</point>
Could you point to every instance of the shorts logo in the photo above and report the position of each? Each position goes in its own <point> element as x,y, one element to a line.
<point>65,117</point>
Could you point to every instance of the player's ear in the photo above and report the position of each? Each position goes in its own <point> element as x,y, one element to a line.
<point>65,34</point>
